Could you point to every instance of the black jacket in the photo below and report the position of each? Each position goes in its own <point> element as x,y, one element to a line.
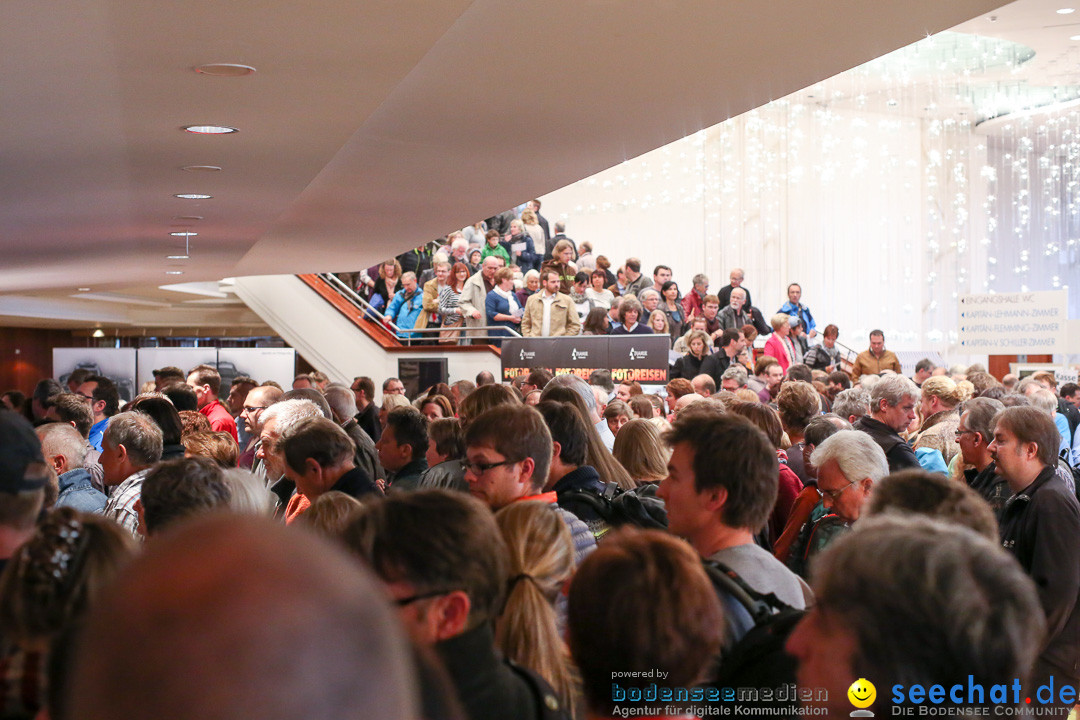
<point>715,365</point>
<point>994,489</point>
<point>897,452</point>
<point>689,367</point>
<point>489,687</point>
<point>368,419</point>
<point>724,296</point>
<point>356,483</point>
<point>408,477</point>
<point>1040,526</point>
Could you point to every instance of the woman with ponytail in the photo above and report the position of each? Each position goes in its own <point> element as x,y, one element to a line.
<point>541,562</point>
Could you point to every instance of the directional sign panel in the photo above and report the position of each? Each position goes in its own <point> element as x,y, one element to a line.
<point>1014,323</point>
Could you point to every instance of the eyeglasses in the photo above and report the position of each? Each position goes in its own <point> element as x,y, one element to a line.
<point>481,468</point>
<point>960,433</point>
<point>405,601</point>
<point>834,495</point>
<point>249,409</point>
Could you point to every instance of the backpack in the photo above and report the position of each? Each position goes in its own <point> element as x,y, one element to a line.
<point>617,507</point>
<point>758,658</point>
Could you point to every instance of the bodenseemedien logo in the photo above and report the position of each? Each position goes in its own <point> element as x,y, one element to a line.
<point>862,694</point>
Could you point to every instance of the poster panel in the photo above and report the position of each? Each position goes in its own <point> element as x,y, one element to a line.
<point>117,364</point>
<point>151,359</point>
<point>261,364</point>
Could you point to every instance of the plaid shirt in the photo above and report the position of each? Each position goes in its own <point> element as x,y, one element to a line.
<point>121,505</point>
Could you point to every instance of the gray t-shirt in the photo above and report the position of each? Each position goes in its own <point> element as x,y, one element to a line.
<point>765,574</point>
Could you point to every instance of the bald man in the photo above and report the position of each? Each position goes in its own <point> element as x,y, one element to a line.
<point>237,617</point>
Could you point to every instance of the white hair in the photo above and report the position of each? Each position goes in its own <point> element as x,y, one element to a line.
<point>856,453</point>
<point>893,389</point>
<point>290,412</point>
<point>1045,400</point>
<point>62,439</point>
<point>853,401</point>
<point>248,494</point>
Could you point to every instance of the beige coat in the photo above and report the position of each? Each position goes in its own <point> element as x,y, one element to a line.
<point>564,316</point>
<point>939,432</point>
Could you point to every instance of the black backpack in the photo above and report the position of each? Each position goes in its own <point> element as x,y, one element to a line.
<point>617,507</point>
<point>758,659</point>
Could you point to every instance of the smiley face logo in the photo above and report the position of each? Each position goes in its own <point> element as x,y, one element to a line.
<point>862,693</point>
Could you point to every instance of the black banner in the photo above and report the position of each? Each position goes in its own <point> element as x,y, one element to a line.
<point>643,358</point>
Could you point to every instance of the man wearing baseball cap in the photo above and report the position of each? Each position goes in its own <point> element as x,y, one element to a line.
<point>23,475</point>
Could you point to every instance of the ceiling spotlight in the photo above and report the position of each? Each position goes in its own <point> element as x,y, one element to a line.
<point>209,129</point>
<point>193,196</point>
<point>177,257</point>
<point>225,70</point>
<point>174,272</point>
<point>1066,11</point>
<point>98,333</point>
<point>201,168</point>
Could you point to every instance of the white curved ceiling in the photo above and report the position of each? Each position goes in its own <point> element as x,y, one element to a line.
<point>369,126</point>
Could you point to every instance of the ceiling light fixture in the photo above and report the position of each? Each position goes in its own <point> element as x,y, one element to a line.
<point>193,196</point>
<point>188,217</point>
<point>1074,38</point>
<point>98,333</point>
<point>177,257</point>
<point>225,70</point>
<point>201,168</point>
<point>184,234</point>
<point>209,129</point>
<point>174,272</point>
<point>1066,11</point>
<point>84,289</point>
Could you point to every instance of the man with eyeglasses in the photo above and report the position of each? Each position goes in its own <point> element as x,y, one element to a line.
<point>447,568</point>
<point>257,400</point>
<point>104,399</point>
<point>974,434</point>
<point>508,452</point>
<point>848,464</point>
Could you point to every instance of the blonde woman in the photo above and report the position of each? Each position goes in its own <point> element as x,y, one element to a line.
<point>658,323</point>
<point>541,562</point>
<point>531,226</point>
<point>938,408</point>
<point>640,451</point>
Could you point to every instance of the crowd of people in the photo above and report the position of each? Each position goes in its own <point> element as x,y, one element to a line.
<point>509,275</point>
<point>554,546</point>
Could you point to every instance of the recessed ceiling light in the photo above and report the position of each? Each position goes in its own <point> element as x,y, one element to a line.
<point>84,289</point>
<point>184,233</point>
<point>174,272</point>
<point>225,70</point>
<point>1066,11</point>
<point>177,257</point>
<point>193,196</point>
<point>201,168</point>
<point>209,129</point>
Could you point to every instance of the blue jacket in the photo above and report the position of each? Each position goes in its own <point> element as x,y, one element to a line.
<point>404,313</point>
<point>496,304</point>
<point>76,492</point>
<point>803,313</point>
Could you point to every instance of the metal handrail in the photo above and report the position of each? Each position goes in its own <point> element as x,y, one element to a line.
<point>367,309</point>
